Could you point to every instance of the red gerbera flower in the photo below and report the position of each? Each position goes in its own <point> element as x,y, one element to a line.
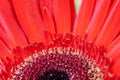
<point>45,40</point>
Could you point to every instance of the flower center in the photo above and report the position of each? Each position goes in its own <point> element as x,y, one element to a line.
<point>53,75</point>
<point>66,58</point>
<point>75,66</point>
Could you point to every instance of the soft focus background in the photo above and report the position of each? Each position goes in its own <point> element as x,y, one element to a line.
<point>77,4</point>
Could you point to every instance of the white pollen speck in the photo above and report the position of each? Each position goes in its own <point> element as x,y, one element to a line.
<point>98,69</point>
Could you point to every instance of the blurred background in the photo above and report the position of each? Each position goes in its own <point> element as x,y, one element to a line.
<point>77,4</point>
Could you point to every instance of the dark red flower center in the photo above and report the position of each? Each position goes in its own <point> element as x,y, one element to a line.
<point>53,75</point>
<point>66,58</point>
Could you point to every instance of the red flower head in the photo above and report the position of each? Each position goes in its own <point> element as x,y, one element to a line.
<point>45,40</point>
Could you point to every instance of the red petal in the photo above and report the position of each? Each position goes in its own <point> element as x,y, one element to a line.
<point>49,37</point>
<point>30,20</point>
<point>97,19</point>
<point>5,51</point>
<point>48,21</point>
<point>46,4</point>
<point>115,69</point>
<point>9,26</point>
<point>62,14</point>
<point>113,44</point>
<point>50,27</point>
<point>73,13</point>
<point>8,39</point>
<point>84,17</point>
<point>1,79</point>
<point>114,54</point>
<point>111,26</point>
<point>47,15</point>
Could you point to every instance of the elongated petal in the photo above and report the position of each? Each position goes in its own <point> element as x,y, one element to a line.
<point>113,43</point>
<point>111,26</point>
<point>9,27</point>
<point>98,18</point>
<point>62,15</point>
<point>115,69</point>
<point>30,21</point>
<point>114,53</point>
<point>8,38</point>
<point>73,14</point>
<point>4,51</point>
<point>84,17</point>
<point>46,10</point>
<point>46,4</point>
